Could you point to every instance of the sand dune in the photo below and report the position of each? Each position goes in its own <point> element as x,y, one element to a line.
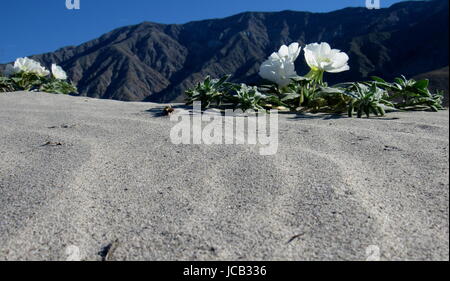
<point>110,173</point>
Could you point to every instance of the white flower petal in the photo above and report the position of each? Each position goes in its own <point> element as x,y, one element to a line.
<point>325,49</point>
<point>29,65</point>
<point>340,60</point>
<point>310,59</point>
<point>294,51</point>
<point>337,70</point>
<point>274,56</point>
<point>314,47</point>
<point>284,51</point>
<point>322,57</point>
<point>280,67</point>
<point>58,72</point>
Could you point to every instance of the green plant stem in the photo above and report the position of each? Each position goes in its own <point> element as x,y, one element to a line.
<point>302,97</point>
<point>316,75</point>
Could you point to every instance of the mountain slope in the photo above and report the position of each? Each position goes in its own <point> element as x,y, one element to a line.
<point>156,62</point>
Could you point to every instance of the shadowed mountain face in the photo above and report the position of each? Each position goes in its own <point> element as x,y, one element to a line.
<point>156,62</point>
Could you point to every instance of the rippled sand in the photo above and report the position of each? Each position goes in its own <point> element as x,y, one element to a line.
<point>90,173</point>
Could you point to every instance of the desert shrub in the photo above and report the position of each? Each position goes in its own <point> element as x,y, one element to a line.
<point>210,91</point>
<point>58,87</point>
<point>367,99</point>
<point>247,97</point>
<point>27,81</point>
<point>6,85</point>
<point>283,87</point>
<point>409,93</point>
<point>29,75</point>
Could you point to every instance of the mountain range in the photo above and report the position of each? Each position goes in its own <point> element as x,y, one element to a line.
<point>157,62</point>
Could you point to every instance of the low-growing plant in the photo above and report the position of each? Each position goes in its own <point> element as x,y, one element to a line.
<point>210,91</point>
<point>247,97</point>
<point>367,99</point>
<point>6,85</point>
<point>27,81</point>
<point>303,89</point>
<point>409,93</point>
<point>301,93</point>
<point>28,75</point>
<point>58,87</point>
<point>273,96</point>
<point>333,99</point>
<point>310,93</point>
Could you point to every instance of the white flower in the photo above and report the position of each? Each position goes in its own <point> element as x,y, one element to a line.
<point>280,68</point>
<point>58,72</point>
<point>41,71</point>
<point>26,65</point>
<point>320,57</point>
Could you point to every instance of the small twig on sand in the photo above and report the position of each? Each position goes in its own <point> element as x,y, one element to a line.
<point>63,126</point>
<point>295,237</point>
<point>51,143</point>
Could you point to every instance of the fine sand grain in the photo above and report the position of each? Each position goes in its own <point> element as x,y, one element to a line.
<point>91,179</point>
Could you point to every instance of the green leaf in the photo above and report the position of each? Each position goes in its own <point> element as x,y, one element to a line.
<point>373,109</point>
<point>381,110</point>
<point>223,79</point>
<point>378,79</point>
<point>331,90</point>
<point>290,96</point>
<point>399,81</point>
<point>422,84</point>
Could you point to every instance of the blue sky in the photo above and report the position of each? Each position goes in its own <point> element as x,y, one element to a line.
<point>38,26</point>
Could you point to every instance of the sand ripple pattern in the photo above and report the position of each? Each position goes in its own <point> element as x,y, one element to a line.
<point>335,187</point>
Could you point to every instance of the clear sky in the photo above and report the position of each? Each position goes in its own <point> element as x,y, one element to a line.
<point>38,26</point>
